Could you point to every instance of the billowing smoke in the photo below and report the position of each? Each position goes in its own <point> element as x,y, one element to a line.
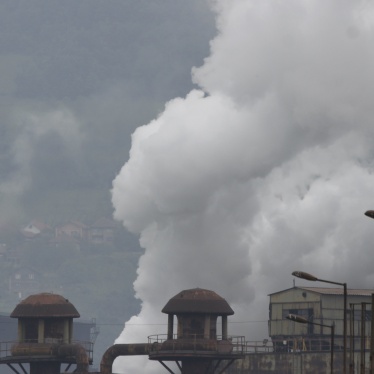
<point>265,169</point>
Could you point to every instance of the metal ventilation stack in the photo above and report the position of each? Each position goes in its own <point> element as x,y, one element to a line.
<point>196,347</point>
<point>45,333</point>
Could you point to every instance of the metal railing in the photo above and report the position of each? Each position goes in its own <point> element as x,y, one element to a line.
<point>30,347</point>
<point>232,345</point>
<point>5,349</point>
<point>301,344</point>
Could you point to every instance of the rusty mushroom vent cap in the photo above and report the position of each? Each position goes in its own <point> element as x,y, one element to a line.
<point>197,300</point>
<point>45,305</point>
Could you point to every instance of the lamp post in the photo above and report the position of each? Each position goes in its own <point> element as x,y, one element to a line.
<point>370,213</point>
<point>310,277</point>
<point>298,319</point>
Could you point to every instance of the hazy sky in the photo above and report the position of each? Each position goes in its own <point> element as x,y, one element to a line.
<point>76,79</point>
<point>244,166</point>
<point>265,168</point>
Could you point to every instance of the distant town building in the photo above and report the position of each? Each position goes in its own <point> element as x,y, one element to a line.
<point>102,231</point>
<point>24,281</point>
<point>36,228</point>
<point>72,229</point>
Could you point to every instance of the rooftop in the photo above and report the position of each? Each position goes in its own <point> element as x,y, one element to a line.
<point>45,305</point>
<point>197,300</point>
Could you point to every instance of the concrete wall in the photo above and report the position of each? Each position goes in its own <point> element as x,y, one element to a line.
<point>293,363</point>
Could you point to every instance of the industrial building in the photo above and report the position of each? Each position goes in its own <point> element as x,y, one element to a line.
<point>201,342</point>
<point>39,335</point>
<point>198,346</point>
<point>318,305</point>
<point>46,338</point>
<point>305,347</point>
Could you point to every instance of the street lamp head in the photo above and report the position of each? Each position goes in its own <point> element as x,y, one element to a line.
<point>310,277</point>
<point>295,318</point>
<point>370,213</point>
<point>303,275</point>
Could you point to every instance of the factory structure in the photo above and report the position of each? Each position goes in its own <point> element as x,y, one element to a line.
<point>307,328</point>
<point>306,347</point>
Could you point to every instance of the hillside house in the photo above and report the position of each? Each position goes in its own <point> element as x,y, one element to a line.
<point>102,231</point>
<point>36,229</point>
<point>76,230</point>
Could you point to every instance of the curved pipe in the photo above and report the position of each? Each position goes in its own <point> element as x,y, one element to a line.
<point>117,350</point>
<point>77,351</point>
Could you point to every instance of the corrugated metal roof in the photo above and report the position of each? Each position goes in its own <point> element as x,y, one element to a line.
<point>339,291</point>
<point>197,300</point>
<point>45,305</point>
<point>331,291</point>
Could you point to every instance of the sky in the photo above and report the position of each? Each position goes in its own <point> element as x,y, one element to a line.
<point>233,137</point>
<point>264,167</point>
<point>76,79</point>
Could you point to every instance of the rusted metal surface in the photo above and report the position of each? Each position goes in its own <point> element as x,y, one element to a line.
<point>162,348</point>
<point>45,332</point>
<point>118,350</point>
<point>197,311</point>
<point>197,300</point>
<point>78,352</point>
<point>45,305</point>
<point>33,349</point>
<point>11,349</point>
<point>46,357</point>
<point>196,346</point>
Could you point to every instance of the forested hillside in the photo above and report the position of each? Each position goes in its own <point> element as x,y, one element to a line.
<point>96,278</point>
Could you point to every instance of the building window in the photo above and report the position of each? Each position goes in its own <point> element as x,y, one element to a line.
<point>304,313</point>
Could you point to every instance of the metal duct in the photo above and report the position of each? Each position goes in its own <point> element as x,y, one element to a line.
<point>117,350</point>
<point>77,351</point>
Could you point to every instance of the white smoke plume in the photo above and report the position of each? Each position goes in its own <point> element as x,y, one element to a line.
<point>266,169</point>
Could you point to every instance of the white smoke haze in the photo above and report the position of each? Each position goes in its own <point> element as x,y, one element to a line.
<point>266,169</point>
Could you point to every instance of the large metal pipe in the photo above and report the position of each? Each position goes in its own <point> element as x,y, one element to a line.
<point>77,351</point>
<point>118,350</point>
